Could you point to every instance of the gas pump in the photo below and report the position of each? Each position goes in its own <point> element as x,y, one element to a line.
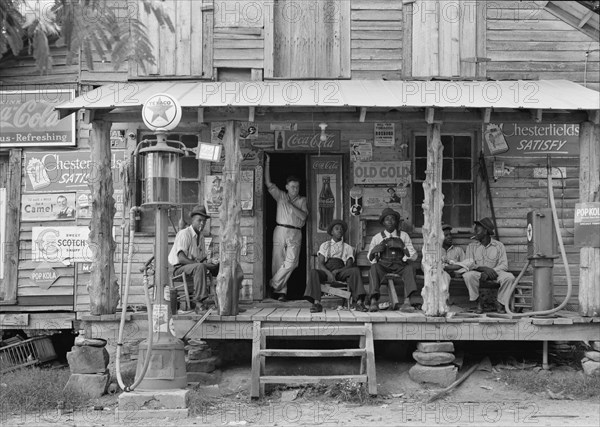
<point>161,361</point>
<point>541,252</point>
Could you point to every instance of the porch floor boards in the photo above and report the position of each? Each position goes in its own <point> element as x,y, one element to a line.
<point>395,325</point>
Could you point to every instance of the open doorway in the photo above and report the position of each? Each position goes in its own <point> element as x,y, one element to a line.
<point>282,166</point>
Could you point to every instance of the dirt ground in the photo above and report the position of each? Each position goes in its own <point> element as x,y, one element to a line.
<point>481,400</point>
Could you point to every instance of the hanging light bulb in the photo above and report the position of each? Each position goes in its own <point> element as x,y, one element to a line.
<point>323,137</point>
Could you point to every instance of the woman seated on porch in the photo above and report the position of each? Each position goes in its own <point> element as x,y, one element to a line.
<point>335,261</point>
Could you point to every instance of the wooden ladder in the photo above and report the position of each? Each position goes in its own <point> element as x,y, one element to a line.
<point>365,351</point>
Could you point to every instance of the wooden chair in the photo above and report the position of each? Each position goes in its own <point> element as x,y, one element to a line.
<point>184,286</point>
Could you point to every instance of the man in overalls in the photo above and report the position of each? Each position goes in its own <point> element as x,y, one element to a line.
<point>391,251</point>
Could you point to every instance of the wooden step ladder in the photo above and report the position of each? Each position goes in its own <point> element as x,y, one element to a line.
<point>260,352</point>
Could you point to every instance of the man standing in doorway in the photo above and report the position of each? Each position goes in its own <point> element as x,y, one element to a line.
<point>292,212</point>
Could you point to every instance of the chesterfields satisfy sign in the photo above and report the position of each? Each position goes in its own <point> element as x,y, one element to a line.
<point>531,139</point>
<point>28,119</point>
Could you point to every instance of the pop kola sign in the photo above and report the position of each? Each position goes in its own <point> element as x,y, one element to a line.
<point>531,139</point>
<point>28,118</point>
<point>66,170</point>
<point>587,224</point>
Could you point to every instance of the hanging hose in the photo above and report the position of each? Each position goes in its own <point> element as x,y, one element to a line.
<point>132,212</point>
<point>563,254</point>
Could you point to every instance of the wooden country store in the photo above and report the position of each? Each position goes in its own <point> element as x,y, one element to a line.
<point>472,99</point>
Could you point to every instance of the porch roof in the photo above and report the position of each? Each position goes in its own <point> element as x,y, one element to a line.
<point>506,94</point>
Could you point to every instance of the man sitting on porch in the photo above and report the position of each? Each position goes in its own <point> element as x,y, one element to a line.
<point>391,251</point>
<point>487,258</point>
<point>188,255</point>
<point>452,255</point>
<point>335,261</point>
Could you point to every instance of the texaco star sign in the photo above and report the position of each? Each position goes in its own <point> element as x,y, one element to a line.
<point>161,112</point>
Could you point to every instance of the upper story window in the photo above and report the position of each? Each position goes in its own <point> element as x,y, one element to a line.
<point>311,39</point>
<point>457,180</point>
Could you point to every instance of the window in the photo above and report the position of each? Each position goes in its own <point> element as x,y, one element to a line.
<point>457,180</point>
<point>189,181</point>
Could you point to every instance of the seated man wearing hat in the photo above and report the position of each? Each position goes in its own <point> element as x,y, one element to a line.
<point>391,251</point>
<point>487,258</point>
<point>188,255</point>
<point>335,261</point>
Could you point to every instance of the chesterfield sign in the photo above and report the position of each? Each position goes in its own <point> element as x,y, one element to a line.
<point>28,119</point>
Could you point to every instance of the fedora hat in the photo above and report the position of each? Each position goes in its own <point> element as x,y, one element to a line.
<point>487,224</point>
<point>389,211</point>
<point>334,223</point>
<point>446,226</point>
<point>199,210</point>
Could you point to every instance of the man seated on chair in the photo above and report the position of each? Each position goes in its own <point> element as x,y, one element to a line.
<point>188,255</point>
<point>487,258</point>
<point>335,261</point>
<point>452,256</point>
<point>391,251</point>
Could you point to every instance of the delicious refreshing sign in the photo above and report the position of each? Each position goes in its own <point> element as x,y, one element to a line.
<point>531,139</point>
<point>66,170</point>
<point>28,119</point>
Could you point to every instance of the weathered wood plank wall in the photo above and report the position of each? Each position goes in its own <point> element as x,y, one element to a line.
<point>528,43</point>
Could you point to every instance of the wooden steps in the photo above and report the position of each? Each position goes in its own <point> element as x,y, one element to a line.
<point>365,351</point>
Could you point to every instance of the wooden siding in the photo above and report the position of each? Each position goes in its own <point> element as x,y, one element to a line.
<point>518,193</point>
<point>444,38</point>
<point>187,52</point>
<point>525,42</point>
<point>376,39</point>
<point>22,70</point>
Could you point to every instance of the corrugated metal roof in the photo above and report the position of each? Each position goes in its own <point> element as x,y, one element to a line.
<point>541,94</point>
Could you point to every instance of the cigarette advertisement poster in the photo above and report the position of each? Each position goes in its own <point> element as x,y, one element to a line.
<point>28,119</point>
<point>375,199</point>
<point>360,150</point>
<point>66,170</point>
<point>48,206</point>
<point>531,139</point>
<point>59,244</point>
<point>213,192</point>
<point>394,173</point>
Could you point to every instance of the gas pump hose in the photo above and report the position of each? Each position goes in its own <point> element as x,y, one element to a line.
<point>124,313</point>
<point>563,254</point>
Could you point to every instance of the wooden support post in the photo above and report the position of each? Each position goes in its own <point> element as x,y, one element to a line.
<point>437,283</point>
<point>103,287</point>
<point>229,280</point>
<point>251,113</point>
<point>589,186</point>
<point>487,115</point>
<point>8,288</point>
<point>201,115</point>
<point>363,114</point>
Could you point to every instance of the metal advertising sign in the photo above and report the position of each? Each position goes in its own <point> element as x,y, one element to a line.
<point>587,224</point>
<point>59,244</point>
<point>48,207</point>
<point>66,170</point>
<point>531,139</point>
<point>44,276</point>
<point>28,119</point>
<point>307,140</point>
<point>382,173</point>
<point>161,112</point>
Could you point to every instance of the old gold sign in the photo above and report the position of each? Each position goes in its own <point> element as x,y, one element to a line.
<point>382,172</point>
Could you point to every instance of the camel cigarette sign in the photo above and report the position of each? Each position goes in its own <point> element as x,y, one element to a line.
<point>28,119</point>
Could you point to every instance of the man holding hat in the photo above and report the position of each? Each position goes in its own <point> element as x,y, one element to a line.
<point>488,262</point>
<point>188,256</point>
<point>335,261</point>
<point>391,251</point>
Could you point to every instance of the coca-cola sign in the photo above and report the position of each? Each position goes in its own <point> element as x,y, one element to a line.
<point>28,119</point>
<point>311,141</point>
